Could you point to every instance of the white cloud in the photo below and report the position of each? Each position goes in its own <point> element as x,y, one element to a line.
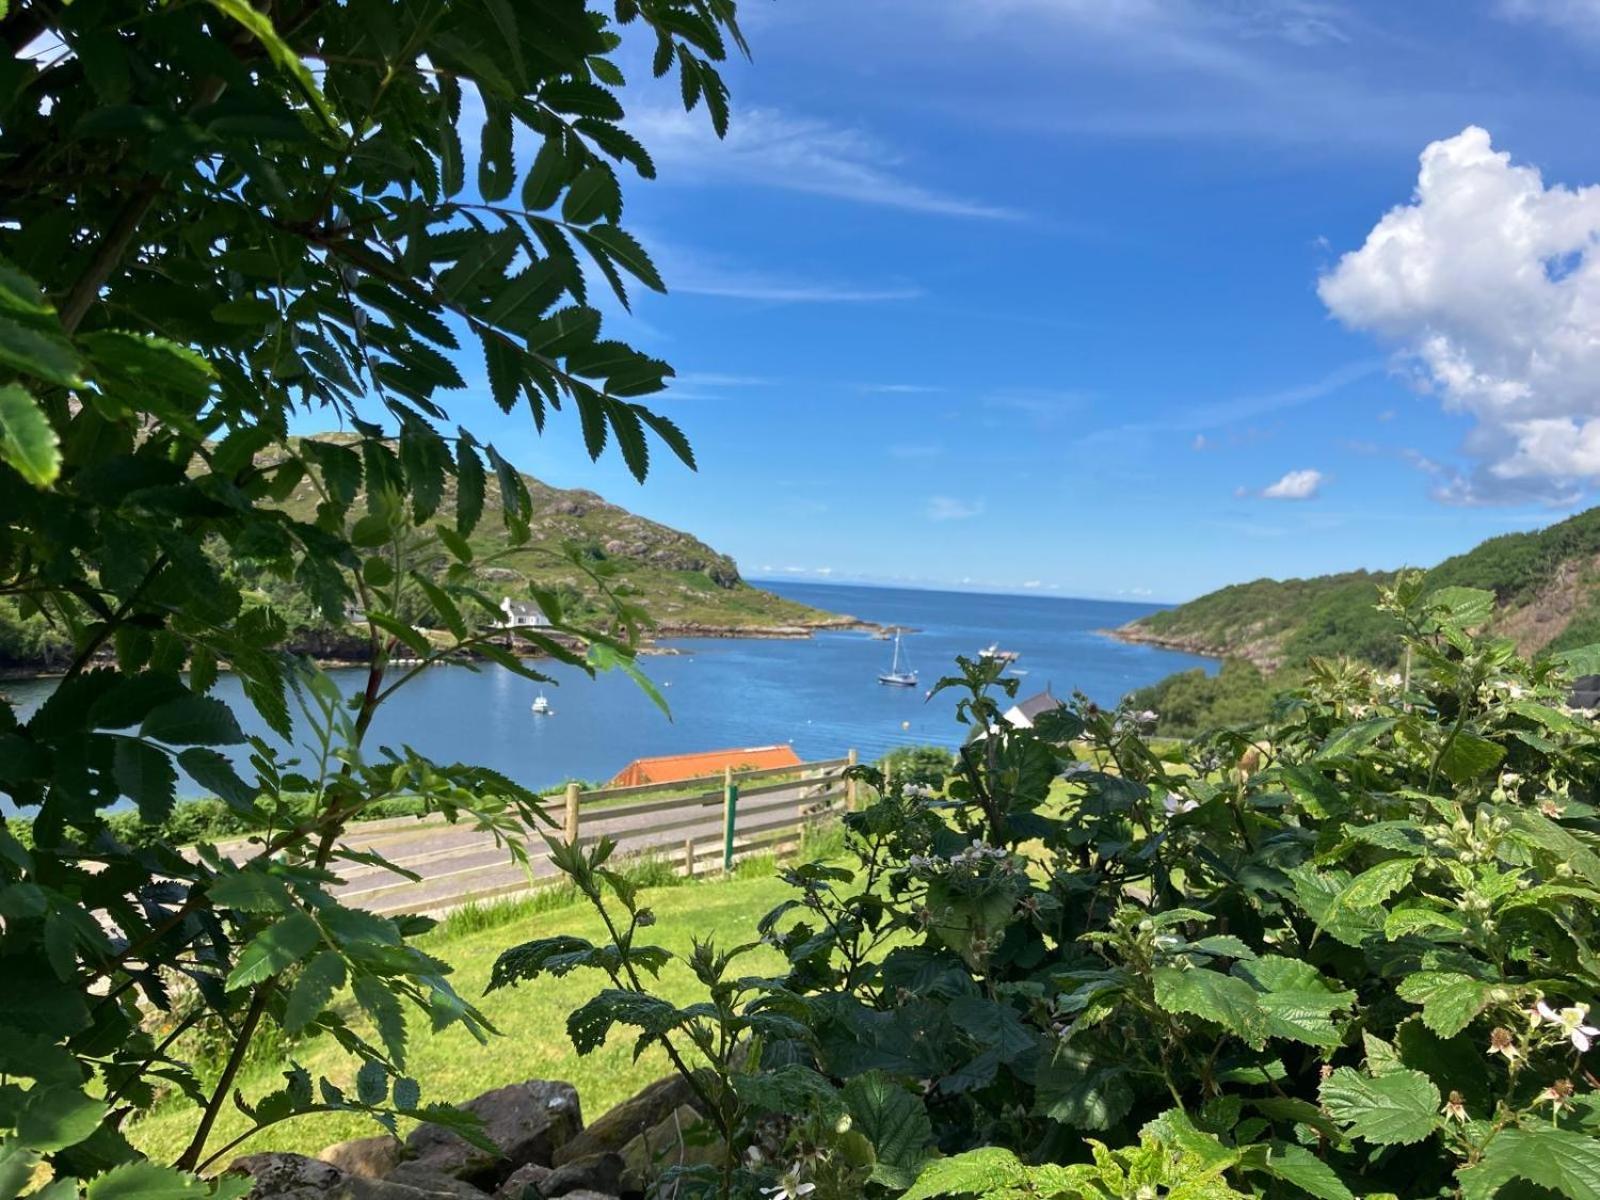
<point>1488,283</point>
<point>1295,485</point>
<point>1033,583</point>
<point>948,508</point>
<point>899,389</point>
<point>769,148</point>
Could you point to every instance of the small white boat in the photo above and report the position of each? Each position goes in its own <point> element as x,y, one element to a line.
<point>993,653</point>
<point>895,676</point>
<point>541,707</point>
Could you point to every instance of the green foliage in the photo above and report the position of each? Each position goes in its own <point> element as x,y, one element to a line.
<point>926,766</point>
<point>216,219</point>
<point>1345,953</point>
<point>1192,702</point>
<point>1287,623</point>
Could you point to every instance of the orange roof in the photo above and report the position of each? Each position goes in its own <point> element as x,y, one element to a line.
<point>668,768</point>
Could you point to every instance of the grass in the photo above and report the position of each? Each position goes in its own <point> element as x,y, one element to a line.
<point>531,1019</point>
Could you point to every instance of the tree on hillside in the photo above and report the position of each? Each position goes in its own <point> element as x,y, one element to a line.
<point>214,218</point>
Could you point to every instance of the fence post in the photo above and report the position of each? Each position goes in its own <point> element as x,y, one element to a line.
<point>730,807</point>
<point>688,858</point>
<point>572,814</point>
<point>850,784</point>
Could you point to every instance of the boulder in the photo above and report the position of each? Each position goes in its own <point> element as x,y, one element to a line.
<point>527,1122</point>
<point>683,1138</point>
<point>620,1125</point>
<point>276,1173</point>
<point>367,1158</point>
<point>596,1173</point>
<point>432,1183</point>
<point>277,1176</point>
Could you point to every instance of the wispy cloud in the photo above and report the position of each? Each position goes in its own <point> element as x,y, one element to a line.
<point>767,147</point>
<point>778,291</point>
<point>1221,413</point>
<point>691,271</point>
<point>948,508</point>
<point>898,389</point>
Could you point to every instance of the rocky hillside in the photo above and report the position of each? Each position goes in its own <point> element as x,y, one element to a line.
<point>685,585</point>
<point>1547,582</point>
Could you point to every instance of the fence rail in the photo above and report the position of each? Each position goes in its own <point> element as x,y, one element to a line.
<point>695,827</point>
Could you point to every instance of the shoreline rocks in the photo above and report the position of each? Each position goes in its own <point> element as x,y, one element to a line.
<point>542,1151</point>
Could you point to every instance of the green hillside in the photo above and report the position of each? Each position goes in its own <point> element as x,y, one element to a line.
<point>1547,583</point>
<point>683,584</point>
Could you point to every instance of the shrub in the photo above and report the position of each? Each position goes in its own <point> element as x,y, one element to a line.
<point>1347,953</point>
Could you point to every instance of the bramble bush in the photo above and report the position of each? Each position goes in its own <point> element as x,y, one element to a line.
<point>219,220</point>
<point>1349,954</point>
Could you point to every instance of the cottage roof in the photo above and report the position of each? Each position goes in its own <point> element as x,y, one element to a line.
<point>668,768</point>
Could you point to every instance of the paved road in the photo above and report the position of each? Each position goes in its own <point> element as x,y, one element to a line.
<point>457,864</point>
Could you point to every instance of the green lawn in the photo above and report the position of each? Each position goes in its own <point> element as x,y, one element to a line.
<point>531,1019</point>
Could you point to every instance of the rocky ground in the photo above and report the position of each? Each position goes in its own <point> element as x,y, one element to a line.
<point>543,1150</point>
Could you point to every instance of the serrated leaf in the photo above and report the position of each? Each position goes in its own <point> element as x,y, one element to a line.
<point>1468,756</point>
<point>1449,1000</point>
<point>1212,996</point>
<point>1397,1108</point>
<point>324,975</point>
<point>1563,1160</point>
<point>193,721</point>
<point>1298,1166</point>
<point>985,1172</point>
<point>250,890</point>
<point>146,776</point>
<point>1467,606</point>
<point>896,1123</point>
<point>274,950</point>
<point>55,1116</point>
<point>147,1181</point>
<point>28,442</point>
<point>44,354</point>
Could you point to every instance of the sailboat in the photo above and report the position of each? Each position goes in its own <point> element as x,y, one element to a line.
<point>895,676</point>
<point>541,706</point>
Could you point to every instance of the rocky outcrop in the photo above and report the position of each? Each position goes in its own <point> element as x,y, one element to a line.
<point>527,1122</point>
<point>542,1151</point>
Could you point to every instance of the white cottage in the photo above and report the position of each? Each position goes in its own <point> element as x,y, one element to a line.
<point>522,614</point>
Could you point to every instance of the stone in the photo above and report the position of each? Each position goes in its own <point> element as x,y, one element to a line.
<point>534,1175</point>
<point>682,1138</point>
<point>618,1126</point>
<point>366,1158</point>
<point>527,1122</point>
<point>277,1176</point>
<point>277,1173</point>
<point>432,1183</point>
<point>597,1173</point>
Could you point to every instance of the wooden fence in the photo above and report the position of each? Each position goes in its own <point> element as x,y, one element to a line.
<point>697,825</point>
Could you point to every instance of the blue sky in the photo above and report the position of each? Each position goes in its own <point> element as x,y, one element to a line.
<point>1050,293</point>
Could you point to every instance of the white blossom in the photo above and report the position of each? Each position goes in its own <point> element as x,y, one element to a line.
<point>1572,1022</point>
